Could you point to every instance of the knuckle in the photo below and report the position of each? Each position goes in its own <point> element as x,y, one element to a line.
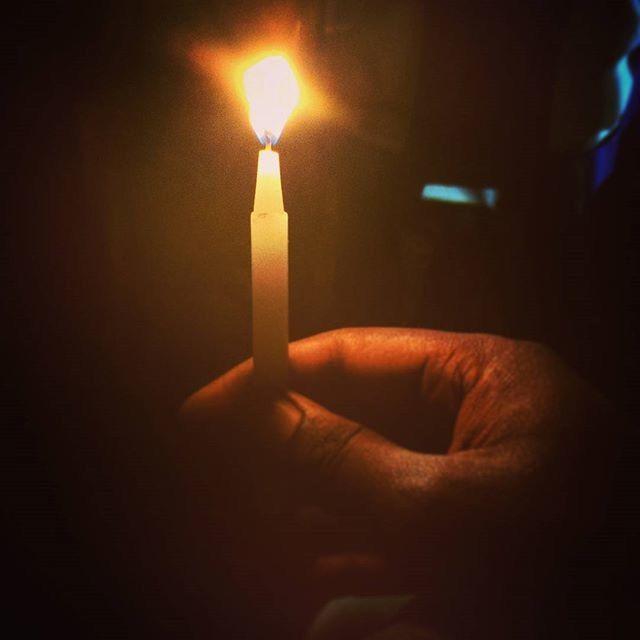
<point>520,355</point>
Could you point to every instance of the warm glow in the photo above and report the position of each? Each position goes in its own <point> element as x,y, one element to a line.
<point>272,92</point>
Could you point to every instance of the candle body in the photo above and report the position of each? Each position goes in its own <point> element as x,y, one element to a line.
<point>270,275</point>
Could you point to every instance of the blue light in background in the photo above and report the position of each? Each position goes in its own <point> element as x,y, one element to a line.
<point>460,195</point>
<point>623,79</point>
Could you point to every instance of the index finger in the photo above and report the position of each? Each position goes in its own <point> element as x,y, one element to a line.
<point>406,383</point>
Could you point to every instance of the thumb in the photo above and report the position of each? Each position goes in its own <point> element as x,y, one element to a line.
<point>341,459</point>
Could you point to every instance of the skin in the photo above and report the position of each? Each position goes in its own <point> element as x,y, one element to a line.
<point>456,466</point>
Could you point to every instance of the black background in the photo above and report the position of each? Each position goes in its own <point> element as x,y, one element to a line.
<point>129,186</point>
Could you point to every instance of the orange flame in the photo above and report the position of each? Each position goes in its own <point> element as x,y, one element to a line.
<point>272,91</point>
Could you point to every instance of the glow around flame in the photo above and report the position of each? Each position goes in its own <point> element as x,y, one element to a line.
<point>272,92</point>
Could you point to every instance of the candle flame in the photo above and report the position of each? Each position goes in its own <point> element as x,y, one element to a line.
<point>272,92</point>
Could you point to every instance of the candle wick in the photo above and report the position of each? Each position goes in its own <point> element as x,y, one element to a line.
<point>267,144</point>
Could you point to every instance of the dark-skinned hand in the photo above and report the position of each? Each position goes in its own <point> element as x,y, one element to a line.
<point>457,466</point>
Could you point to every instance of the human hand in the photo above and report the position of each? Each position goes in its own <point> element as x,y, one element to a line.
<point>436,462</point>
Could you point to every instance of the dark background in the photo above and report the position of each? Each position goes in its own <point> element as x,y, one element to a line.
<point>129,188</point>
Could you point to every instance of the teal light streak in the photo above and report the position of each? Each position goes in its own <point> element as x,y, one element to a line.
<point>460,195</point>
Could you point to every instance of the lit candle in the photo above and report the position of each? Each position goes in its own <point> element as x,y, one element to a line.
<point>272,93</point>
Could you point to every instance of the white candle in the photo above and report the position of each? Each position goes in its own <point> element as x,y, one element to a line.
<point>270,274</point>
<point>272,93</point>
